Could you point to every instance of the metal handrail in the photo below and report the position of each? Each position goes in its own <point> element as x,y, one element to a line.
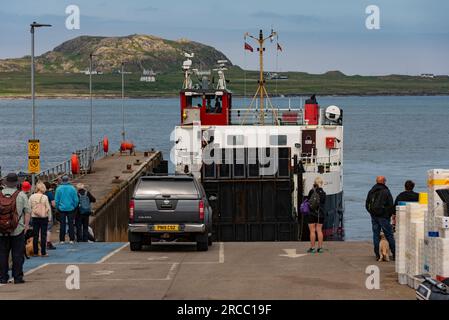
<point>312,162</point>
<point>272,116</point>
<point>65,168</point>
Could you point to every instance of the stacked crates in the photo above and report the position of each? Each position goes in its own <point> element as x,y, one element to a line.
<point>436,245</point>
<point>410,241</point>
<point>415,237</point>
<point>401,243</point>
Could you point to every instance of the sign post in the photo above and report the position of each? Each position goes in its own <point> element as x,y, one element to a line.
<point>34,163</point>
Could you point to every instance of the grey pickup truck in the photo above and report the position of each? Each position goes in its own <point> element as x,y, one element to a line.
<point>169,208</point>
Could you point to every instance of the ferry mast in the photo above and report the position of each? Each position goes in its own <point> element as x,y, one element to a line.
<point>261,90</point>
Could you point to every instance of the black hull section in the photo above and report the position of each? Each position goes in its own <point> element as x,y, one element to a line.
<point>261,210</point>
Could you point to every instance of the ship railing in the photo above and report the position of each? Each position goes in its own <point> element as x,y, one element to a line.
<point>321,164</point>
<point>65,168</point>
<point>275,116</point>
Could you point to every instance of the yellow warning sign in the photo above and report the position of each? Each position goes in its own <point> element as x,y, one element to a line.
<point>33,148</point>
<point>34,165</point>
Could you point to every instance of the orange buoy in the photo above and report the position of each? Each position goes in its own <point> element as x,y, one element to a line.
<point>75,164</point>
<point>126,145</point>
<point>105,144</point>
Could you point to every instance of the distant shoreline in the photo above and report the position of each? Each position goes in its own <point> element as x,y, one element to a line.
<point>170,96</point>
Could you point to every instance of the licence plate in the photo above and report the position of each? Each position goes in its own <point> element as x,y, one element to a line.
<point>166,227</point>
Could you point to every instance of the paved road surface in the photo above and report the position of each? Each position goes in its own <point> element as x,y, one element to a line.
<point>269,270</point>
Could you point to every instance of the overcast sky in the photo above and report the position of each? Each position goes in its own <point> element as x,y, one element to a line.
<point>316,36</point>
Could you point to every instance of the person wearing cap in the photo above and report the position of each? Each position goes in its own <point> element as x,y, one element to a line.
<point>26,187</point>
<point>66,201</point>
<point>379,204</point>
<point>14,242</point>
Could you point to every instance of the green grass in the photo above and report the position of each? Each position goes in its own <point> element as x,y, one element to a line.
<point>47,84</point>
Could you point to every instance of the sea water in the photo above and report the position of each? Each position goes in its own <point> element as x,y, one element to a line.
<point>400,137</point>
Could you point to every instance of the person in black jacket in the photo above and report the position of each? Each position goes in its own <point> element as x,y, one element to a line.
<point>405,196</point>
<point>379,203</point>
<point>315,219</point>
<point>408,195</point>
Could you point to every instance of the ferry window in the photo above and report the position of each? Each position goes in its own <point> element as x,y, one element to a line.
<point>195,101</point>
<point>278,140</point>
<point>235,140</point>
<point>213,104</point>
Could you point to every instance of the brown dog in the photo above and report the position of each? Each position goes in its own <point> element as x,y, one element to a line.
<point>29,250</point>
<point>384,249</point>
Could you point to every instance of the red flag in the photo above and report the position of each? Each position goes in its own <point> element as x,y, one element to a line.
<point>248,47</point>
<point>279,47</point>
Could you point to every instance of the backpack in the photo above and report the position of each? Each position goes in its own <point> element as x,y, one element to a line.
<point>305,207</point>
<point>40,209</point>
<point>84,207</point>
<point>9,218</point>
<point>314,200</point>
<point>374,206</point>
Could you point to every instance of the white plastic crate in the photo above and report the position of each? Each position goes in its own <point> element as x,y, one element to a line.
<point>444,233</point>
<point>442,222</point>
<point>401,240</point>
<point>403,278</point>
<point>414,246</point>
<point>434,174</point>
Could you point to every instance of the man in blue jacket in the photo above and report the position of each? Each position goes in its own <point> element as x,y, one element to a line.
<point>66,201</point>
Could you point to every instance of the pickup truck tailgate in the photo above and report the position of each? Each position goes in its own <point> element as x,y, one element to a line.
<point>166,210</point>
<point>166,200</point>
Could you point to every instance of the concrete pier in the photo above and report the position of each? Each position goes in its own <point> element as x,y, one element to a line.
<point>230,270</point>
<point>112,183</point>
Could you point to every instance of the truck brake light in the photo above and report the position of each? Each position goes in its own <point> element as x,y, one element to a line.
<point>131,210</point>
<point>201,209</point>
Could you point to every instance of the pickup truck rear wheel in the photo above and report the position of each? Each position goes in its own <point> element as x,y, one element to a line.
<point>135,246</point>
<point>202,243</point>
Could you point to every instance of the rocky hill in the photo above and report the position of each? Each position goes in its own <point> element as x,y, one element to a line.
<point>138,51</point>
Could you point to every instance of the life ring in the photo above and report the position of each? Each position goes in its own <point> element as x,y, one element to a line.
<point>75,164</point>
<point>105,144</point>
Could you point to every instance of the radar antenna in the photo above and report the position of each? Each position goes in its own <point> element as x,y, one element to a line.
<point>186,67</point>
<point>221,85</point>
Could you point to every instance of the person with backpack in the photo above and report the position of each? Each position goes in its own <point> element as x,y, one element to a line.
<point>66,201</point>
<point>41,214</point>
<point>315,217</point>
<point>379,204</point>
<point>14,222</point>
<point>84,211</point>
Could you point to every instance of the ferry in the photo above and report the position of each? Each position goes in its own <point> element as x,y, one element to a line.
<point>257,163</point>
